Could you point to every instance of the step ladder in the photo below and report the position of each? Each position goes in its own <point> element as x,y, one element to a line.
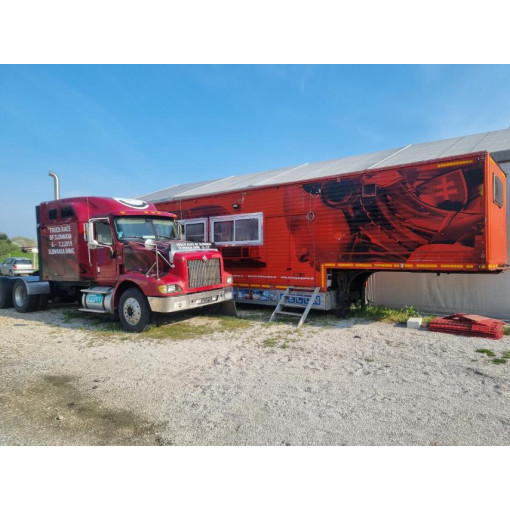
<point>284,303</point>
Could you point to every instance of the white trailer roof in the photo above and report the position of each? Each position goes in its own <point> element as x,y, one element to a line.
<point>495,142</point>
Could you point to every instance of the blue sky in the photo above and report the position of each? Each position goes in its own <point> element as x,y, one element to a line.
<point>129,130</point>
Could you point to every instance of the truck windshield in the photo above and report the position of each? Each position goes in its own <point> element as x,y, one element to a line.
<point>145,228</point>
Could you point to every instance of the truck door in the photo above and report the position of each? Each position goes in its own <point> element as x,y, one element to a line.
<point>103,256</point>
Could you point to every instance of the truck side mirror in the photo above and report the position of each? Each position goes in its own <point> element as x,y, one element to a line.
<point>90,234</point>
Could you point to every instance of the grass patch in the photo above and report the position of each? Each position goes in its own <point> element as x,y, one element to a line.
<point>486,351</point>
<point>506,330</point>
<point>67,317</point>
<point>506,355</point>
<point>499,361</point>
<point>184,326</point>
<point>384,314</point>
<point>195,327</point>
<point>280,340</point>
<point>270,342</point>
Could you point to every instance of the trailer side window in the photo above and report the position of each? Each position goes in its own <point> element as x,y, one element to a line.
<point>240,229</point>
<point>195,230</point>
<point>498,191</point>
<point>369,190</point>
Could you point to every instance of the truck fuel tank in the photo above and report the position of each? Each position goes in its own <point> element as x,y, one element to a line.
<point>97,299</point>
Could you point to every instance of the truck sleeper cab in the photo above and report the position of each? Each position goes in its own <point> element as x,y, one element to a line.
<point>119,256</point>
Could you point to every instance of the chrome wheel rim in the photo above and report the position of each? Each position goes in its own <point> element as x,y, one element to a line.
<point>19,296</point>
<point>132,311</point>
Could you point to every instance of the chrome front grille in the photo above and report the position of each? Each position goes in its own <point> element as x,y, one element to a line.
<point>204,272</point>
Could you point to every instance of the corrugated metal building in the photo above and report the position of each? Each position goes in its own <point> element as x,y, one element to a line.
<point>482,294</point>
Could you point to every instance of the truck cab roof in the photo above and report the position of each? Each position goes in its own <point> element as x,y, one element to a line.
<point>84,208</point>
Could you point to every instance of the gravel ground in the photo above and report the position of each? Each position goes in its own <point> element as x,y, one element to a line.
<point>350,382</point>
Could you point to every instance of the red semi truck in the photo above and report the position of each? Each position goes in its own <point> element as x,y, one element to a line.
<point>118,256</point>
<point>330,234</point>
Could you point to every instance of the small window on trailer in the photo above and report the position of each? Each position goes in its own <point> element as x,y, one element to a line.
<point>498,191</point>
<point>195,230</point>
<point>237,229</point>
<point>369,190</point>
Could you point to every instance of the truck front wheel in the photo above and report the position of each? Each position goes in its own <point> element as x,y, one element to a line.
<point>22,300</point>
<point>134,311</point>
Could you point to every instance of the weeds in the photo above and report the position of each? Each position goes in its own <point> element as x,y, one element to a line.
<point>282,341</point>
<point>270,342</point>
<point>197,327</point>
<point>498,361</point>
<point>384,314</point>
<point>486,351</point>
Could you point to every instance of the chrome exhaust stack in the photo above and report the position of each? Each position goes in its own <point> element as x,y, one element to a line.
<point>56,185</point>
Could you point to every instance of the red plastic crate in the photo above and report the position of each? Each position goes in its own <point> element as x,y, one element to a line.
<point>470,325</point>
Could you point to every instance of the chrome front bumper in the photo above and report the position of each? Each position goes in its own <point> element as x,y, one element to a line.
<point>185,302</point>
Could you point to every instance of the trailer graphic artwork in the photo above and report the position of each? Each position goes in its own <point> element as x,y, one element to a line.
<point>397,216</point>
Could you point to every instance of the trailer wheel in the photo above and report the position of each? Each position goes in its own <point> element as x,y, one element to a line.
<point>134,311</point>
<point>5,294</point>
<point>22,301</point>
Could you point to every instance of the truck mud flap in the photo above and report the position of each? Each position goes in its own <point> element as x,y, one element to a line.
<point>227,308</point>
<point>5,293</point>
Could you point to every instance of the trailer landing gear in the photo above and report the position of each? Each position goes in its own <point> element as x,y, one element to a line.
<point>351,289</point>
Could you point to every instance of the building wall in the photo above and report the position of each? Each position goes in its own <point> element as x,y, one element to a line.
<point>486,294</point>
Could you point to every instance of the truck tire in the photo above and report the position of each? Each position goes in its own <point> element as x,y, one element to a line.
<point>5,294</point>
<point>22,301</point>
<point>134,311</point>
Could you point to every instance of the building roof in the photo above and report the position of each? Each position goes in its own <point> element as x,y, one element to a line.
<point>495,142</point>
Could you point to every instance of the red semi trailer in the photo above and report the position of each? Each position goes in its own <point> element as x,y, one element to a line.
<point>446,215</point>
<point>118,256</point>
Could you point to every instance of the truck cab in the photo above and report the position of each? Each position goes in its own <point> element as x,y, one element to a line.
<point>120,256</point>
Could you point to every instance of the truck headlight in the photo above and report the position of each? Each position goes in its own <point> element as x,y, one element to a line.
<point>230,279</point>
<point>169,289</point>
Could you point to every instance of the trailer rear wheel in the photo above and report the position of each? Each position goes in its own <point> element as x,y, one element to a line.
<point>134,311</point>
<point>5,294</point>
<point>23,302</point>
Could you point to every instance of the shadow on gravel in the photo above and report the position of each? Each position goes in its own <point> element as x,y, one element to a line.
<point>61,414</point>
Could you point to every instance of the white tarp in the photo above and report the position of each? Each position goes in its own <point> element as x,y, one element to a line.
<point>483,294</point>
